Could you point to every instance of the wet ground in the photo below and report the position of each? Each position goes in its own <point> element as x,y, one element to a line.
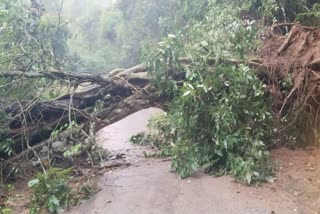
<point>147,187</point>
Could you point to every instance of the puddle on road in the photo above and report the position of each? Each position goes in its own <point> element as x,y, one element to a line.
<point>115,137</point>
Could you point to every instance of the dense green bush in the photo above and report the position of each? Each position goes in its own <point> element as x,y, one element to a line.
<point>223,128</point>
<point>220,117</point>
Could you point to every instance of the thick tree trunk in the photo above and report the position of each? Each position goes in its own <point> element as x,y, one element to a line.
<point>119,94</point>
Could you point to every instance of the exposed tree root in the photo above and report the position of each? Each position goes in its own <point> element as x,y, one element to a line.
<point>293,63</point>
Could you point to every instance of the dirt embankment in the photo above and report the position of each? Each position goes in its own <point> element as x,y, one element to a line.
<point>293,75</point>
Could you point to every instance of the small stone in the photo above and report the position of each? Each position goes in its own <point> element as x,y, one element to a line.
<point>59,146</point>
<point>273,189</point>
<point>45,149</point>
<point>311,169</point>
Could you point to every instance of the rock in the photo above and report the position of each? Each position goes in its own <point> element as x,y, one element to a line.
<point>107,97</point>
<point>61,162</point>
<point>45,149</point>
<point>296,193</point>
<point>59,146</point>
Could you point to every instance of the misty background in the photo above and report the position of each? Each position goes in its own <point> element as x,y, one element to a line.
<point>108,34</point>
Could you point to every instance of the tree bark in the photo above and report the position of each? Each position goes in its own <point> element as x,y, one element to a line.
<point>119,93</point>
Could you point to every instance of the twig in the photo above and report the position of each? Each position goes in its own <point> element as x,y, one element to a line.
<point>286,100</point>
<point>114,165</point>
<point>28,144</point>
<point>4,195</point>
<point>107,185</point>
<point>315,126</point>
<point>287,42</point>
<point>314,63</point>
<point>70,106</point>
<point>166,160</point>
<point>282,25</point>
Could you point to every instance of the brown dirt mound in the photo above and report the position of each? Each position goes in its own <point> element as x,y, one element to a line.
<point>299,50</point>
<point>293,63</point>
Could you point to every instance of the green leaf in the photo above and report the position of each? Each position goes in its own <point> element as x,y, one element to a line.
<point>33,182</point>
<point>54,200</point>
<point>186,93</point>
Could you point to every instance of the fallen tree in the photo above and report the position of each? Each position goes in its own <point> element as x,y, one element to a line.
<point>103,100</point>
<point>95,101</point>
<point>118,93</point>
<point>111,90</point>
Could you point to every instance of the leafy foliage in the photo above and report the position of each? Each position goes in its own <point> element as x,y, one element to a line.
<point>6,147</point>
<point>5,210</point>
<point>220,118</point>
<point>29,39</point>
<point>311,17</point>
<point>164,63</point>
<point>74,150</point>
<point>225,128</point>
<point>51,190</point>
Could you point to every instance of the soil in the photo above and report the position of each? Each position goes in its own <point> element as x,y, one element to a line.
<point>146,186</point>
<point>292,74</point>
<point>292,53</point>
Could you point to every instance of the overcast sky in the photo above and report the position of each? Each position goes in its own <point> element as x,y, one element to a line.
<point>75,7</point>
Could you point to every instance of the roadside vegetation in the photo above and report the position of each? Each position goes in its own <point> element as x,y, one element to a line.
<point>223,117</point>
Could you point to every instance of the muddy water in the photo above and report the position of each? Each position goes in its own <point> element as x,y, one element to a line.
<point>115,137</point>
<point>147,187</point>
